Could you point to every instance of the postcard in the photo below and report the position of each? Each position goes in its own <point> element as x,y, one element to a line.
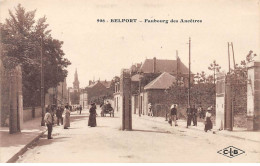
<point>141,81</point>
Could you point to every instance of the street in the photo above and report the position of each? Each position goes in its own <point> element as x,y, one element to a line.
<point>148,142</point>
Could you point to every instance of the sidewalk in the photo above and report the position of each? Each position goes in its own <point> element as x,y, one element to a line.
<point>13,145</point>
<point>239,133</point>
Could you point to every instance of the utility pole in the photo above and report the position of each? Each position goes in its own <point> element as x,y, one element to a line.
<point>139,95</point>
<point>177,59</point>
<point>42,87</point>
<point>189,74</point>
<point>228,59</point>
<point>233,56</point>
<point>178,75</point>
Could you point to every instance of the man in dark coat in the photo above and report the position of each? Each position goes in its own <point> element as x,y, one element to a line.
<point>174,114</point>
<point>189,116</point>
<point>59,116</point>
<point>92,115</point>
<point>80,109</point>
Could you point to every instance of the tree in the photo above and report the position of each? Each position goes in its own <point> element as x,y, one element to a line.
<point>200,78</point>
<point>215,68</point>
<point>22,38</point>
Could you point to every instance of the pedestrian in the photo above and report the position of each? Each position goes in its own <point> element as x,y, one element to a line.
<point>48,120</point>
<point>194,116</point>
<point>92,116</point>
<point>59,116</point>
<point>103,109</point>
<point>150,109</point>
<point>53,111</point>
<point>174,114</point>
<point>208,122</point>
<point>66,120</point>
<point>80,109</point>
<point>200,112</point>
<point>189,115</point>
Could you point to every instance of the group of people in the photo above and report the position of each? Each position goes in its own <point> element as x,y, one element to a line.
<point>63,117</point>
<point>79,108</point>
<point>192,114</point>
<point>59,111</point>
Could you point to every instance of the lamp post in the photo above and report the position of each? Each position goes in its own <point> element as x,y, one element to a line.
<point>42,87</point>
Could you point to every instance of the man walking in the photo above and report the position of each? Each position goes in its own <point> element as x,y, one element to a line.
<point>195,114</point>
<point>80,109</point>
<point>189,116</point>
<point>59,116</point>
<point>174,114</point>
<point>48,121</point>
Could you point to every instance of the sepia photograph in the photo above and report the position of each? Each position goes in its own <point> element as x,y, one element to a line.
<point>140,81</point>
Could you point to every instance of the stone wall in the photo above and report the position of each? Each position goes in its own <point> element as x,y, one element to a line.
<point>28,113</point>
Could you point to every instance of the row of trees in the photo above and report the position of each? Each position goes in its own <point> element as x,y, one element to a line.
<point>203,88</point>
<point>23,39</point>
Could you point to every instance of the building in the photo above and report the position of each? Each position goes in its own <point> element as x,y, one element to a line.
<point>57,95</point>
<point>76,82</point>
<point>152,71</point>
<point>155,92</point>
<point>98,91</point>
<point>117,97</point>
<point>74,92</point>
<point>83,101</point>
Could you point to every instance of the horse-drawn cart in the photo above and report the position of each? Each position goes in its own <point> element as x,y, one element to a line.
<point>107,109</point>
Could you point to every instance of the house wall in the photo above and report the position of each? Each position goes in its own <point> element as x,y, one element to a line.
<point>157,99</point>
<point>117,103</point>
<point>84,100</point>
<point>134,107</point>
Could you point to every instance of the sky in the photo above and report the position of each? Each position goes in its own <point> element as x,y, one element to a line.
<point>101,50</point>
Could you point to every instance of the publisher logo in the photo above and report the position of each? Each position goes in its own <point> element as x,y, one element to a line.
<point>231,151</point>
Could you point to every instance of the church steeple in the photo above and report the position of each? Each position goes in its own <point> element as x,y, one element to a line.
<point>76,80</point>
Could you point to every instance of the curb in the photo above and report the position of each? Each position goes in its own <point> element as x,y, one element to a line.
<point>25,148</point>
<point>216,132</point>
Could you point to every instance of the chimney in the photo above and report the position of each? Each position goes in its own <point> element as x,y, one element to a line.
<point>154,65</point>
<point>89,82</point>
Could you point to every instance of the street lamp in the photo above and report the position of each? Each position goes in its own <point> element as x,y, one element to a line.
<point>42,87</point>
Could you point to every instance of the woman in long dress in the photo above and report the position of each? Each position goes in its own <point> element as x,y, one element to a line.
<point>208,122</point>
<point>66,120</point>
<point>92,116</point>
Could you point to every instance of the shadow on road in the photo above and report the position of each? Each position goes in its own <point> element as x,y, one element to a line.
<point>152,131</point>
<point>44,141</point>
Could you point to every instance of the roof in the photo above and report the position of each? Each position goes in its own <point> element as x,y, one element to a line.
<point>106,83</point>
<point>163,81</point>
<point>163,65</point>
<point>92,85</point>
<point>135,77</point>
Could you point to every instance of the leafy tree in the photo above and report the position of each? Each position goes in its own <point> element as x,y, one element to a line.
<point>215,68</point>
<point>200,78</point>
<point>22,39</point>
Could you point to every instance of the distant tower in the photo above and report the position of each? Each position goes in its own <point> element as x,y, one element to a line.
<point>76,81</point>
